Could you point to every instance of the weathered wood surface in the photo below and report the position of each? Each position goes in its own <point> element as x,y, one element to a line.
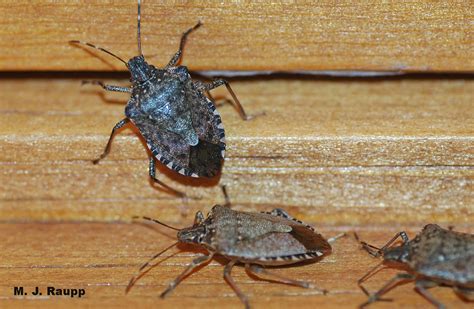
<point>330,151</point>
<point>242,35</point>
<point>101,258</point>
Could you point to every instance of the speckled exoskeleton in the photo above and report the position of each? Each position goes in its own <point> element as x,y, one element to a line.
<point>435,257</point>
<point>179,123</point>
<point>253,239</point>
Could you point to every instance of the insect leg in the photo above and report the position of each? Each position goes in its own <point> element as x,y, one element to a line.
<point>194,264</point>
<point>221,102</point>
<point>219,82</point>
<point>387,287</point>
<point>333,239</point>
<point>177,57</point>
<point>152,171</point>
<point>230,281</point>
<point>119,124</point>
<point>226,196</point>
<point>107,87</point>
<point>421,287</point>
<point>258,270</point>
<point>375,251</point>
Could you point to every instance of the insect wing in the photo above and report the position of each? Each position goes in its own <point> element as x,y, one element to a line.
<point>269,239</point>
<point>206,157</point>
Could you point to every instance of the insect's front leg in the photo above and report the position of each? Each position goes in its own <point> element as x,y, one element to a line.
<point>107,87</point>
<point>194,264</point>
<point>119,124</point>
<point>177,56</point>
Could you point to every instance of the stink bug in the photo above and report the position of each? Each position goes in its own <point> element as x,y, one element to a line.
<point>180,124</point>
<point>436,256</point>
<point>253,239</point>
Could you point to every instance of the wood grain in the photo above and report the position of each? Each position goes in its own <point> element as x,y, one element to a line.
<point>101,258</point>
<point>241,35</point>
<point>339,151</point>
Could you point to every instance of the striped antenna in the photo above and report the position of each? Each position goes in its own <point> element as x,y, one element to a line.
<point>156,221</point>
<point>138,30</point>
<point>97,47</point>
<point>147,263</point>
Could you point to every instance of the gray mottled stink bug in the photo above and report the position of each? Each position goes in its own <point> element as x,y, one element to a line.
<point>436,256</point>
<point>254,239</point>
<point>180,124</point>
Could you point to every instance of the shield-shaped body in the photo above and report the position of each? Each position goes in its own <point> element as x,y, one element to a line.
<point>272,238</point>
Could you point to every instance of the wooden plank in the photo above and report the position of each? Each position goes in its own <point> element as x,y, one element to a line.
<point>242,35</point>
<point>331,151</point>
<point>101,258</point>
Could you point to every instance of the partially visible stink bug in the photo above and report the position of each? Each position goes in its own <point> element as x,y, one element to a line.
<point>252,239</point>
<point>435,257</point>
<point>180,124</point>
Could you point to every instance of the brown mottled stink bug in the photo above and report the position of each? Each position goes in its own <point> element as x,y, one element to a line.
<point>436,256</point>
<point>254,239</point>
<point>180,124</point>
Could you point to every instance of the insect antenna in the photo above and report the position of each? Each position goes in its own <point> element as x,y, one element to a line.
<point>138,30</point>
<point>156,221</point>
<point>99,48</point>
<point>134,279</point>
<point>372,250</point>
<point>367,275</point>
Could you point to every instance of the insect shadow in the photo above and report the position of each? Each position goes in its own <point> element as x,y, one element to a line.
<point>175,114</point>
<point>256,240</point>
<point>435,257</point>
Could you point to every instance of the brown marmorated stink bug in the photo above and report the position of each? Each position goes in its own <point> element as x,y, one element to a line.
<point>179,123</point>
<point>253,239</point>
<point>435,257</point>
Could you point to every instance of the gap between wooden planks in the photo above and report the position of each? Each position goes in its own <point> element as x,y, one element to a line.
<point>241,35</point>
<point>101,258</point>
<point>339,151</point>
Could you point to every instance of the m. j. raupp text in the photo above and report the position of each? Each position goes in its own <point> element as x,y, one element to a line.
<point>50,291</point>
